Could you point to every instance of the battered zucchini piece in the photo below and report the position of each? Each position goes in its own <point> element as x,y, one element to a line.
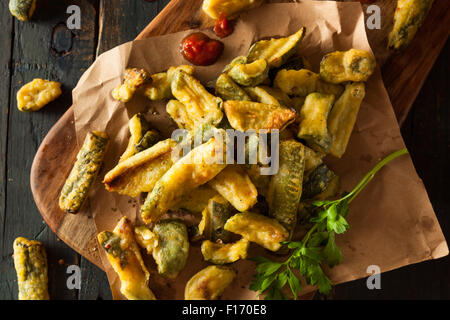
<point>261,95</point>
<point>22,9</point>
<point>159,89</point>
<point>317,181</point>
<point>140,172</point>
<point>230,8</point>
<point>145,238</point>
<point>275,93</point>
<point>30,261</point>
<point>36,94</point>
<point>134,79</point>
<point>285,187</point>
<point>209,283</point>
<point>201,106</point>
<point>142,137</point>
<point>351,65</point>
<point>219,253</point>
<point>227,89</point>
<point>178,112</point>
<point>172,250</point>
<point>408,18</point>
<point>313,126</point>
<point>84,172</point>
<point>342,117</point>
<point>235,185</point>
<point>245,115</point>
<point>214,217</point>
<point>125,258</point>
<point>196,168</point>
<point>250,74</point>
<point>303,82</point>
<point>331,190</point>
<point>254,227</point>
<point>312,159</point>
<point>276,51</point>
<point>196,200</point>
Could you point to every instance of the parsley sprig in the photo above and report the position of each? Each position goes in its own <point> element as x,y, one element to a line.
<point>317,247</point>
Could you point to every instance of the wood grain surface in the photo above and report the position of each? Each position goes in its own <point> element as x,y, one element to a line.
<point>66,55</point>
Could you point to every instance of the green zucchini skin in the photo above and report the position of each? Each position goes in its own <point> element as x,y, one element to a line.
<point>22,9</point>
<point>173,247</point>
<point>84,172</point>
<point>285,187</point>
<point>149,139</point>
<point>250,74</point>
<point>220,213</point>
<point>317,181</point>
<point>235,61</point>
<point>227,89</point>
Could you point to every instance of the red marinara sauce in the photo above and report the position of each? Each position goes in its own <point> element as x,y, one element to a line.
<point>201,50</point>
<point>223,27</point>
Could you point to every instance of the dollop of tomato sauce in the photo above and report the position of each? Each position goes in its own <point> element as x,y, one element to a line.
<point>201,50</point>
<point>223,27</point>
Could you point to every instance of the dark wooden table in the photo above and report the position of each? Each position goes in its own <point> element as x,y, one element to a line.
<point>46,48</point>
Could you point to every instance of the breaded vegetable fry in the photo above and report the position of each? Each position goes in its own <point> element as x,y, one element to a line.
<point>303,82</point>
<point>261,95</point>
<point>145,238</point>
<point>209,283</point>
<point>285,187</point>
<point>37,93</point>
<point>196,168</point>
<point>220,253</point>
<point>214,217</point>
<point>235,61</point>
<point>313,126</point>
<point>178,112</point>
<point>196,200</point>
<point>229,8</point>
<point>317,181</point>
<point>201,106</point>
<point>159,89</point>
<point>408,18</point>
<point>250,74</point>
<point>342,117</point>
<point>351,65</point>
<point>235,185</point>
<point>84,172</point>
<point>172,250</point>
<point>125,258</point>
<point>227,89</point>
<point>312,159</point>
<point>30,261</point>
<point>134,79</point>
<point>246,115</point>
<point>140,172</point>
<point>254,227</point>
<point>22,9</point>
<point>275,93</point>
<point>142,137</point>
<point>276,51</point>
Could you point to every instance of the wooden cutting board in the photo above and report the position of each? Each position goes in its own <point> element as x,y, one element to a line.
<point>403,74</point>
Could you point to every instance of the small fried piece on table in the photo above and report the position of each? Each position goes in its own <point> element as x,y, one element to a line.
<point>125,258</point>
<point>342,117</point>
<point>303,82</point>
<point>30,261</point>
<point>84,172</point>
<point>141,172</point>
<point>221,253</point>
<point>209,283</point>
<point>199,166</point>
<point>265,231</point>
<point>36,94</point>
<point>134,79</point>
<point>408,17</point>
<point>342,66</point>
<point>246,115</point>
<point>235,185</point>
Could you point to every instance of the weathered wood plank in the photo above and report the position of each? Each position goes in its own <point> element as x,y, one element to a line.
<point>427,135</point>
<point>42,48</point>
<point>6,38</point>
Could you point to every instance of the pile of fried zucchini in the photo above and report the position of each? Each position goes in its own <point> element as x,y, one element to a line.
<point>272,88</point>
